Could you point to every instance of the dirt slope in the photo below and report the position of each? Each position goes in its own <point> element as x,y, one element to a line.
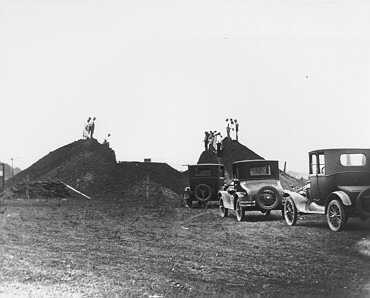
<point>235,151</point>
<point>84,164</point>
<point>91,167</point>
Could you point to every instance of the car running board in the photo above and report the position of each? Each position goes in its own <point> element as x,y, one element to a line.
<point>314,208</point>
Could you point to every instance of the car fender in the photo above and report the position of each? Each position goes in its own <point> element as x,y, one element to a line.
<point>341,195</point>
<point>299,200</point>
<point>225,197</point>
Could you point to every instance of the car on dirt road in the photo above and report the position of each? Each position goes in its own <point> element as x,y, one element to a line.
<point>255,186</point>
<point>339,187</point>
<point>205,180</point>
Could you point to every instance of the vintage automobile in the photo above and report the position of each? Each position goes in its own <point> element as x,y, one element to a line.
<point>205,180</point>
<point>256,186</point>
<point>339,187</point>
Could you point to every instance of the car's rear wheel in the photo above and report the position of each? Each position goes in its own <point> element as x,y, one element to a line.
<point>290,212</point>
<point>223,211</point>
<point>336,215</point>
<point>240,212</point>
<point>203,192</point>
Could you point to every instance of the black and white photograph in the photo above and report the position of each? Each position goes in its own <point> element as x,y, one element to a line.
<point>177,148</point>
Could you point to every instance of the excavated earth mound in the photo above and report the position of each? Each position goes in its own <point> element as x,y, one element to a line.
<point>129,173</point>
<point>234,151</point>
<point>91,168</point>
<point>85,164</point>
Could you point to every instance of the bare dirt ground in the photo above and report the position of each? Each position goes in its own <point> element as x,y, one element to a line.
<point>111,249</point>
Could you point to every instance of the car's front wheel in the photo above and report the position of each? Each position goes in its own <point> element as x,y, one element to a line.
<point>223,211</point>
<point>290,212</point>
<point>240,212</point>
<point>336,215</point>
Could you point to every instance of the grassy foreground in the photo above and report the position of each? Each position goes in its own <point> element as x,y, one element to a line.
<point>112,249</point>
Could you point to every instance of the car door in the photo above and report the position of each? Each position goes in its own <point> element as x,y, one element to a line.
<point>314,181</point>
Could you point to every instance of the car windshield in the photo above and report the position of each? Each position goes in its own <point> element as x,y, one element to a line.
<point>256,171</point>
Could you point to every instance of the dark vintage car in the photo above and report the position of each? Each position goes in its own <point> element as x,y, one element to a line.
<point>205,180</point>
<point>339,187</point>
<point>256,186</point>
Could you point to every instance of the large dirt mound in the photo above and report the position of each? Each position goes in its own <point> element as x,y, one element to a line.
<point>91,167</point>
<point>85,164</point>
<point>129,173</point>
<point>235,151</point>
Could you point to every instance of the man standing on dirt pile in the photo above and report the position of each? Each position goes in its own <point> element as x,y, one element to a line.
<point>106,140</point>
<point>206,140</point>
<point>92,128</point>
<point>86,131</point>
<point>218,143</point>
<point>236,130</point>
<point>228,128</point>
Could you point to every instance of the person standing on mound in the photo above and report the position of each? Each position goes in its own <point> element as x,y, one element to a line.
<point>236,129</point>
<point>92,128</point>
<point>228,128</point>
<point>86,131</point>
<point>206,140</point>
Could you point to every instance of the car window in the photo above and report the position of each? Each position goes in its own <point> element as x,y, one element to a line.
<point>202,172</point>
<point>352,159</point>
<point>321,163</point>
<point>313,167</point>
<point>260,171</point>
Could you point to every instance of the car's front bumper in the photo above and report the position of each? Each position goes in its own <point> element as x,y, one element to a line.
<point>247,203</point>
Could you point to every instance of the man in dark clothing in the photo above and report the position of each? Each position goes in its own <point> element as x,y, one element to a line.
<point>206,140</point>
<point>236,129</point>
<point>92,128</point>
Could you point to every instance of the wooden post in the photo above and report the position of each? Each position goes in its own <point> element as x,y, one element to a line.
<point>28,187</point>
<point>147,182</point>
<point>285,167</point>
<point>3,177</point>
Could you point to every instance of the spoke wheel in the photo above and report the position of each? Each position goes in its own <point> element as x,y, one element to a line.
<point>203,192</point>
<point>223,211</point>
<point>240,212</point>
<point>336,215</point>
<point>290,212</point>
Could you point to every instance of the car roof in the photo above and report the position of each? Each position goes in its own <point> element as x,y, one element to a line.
<point>340,149</point>
<point>206,164</point>
<point>253,160</point>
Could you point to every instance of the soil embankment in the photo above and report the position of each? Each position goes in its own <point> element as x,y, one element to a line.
<point>234,151</point>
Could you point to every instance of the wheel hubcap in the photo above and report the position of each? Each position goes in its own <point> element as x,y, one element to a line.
<point>203,192</point>
<point>335,216</point>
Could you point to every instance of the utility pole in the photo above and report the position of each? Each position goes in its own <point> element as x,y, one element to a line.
<point>2,177</point>
<point>12,159</point>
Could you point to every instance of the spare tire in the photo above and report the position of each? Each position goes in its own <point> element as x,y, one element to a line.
<point>363,202</point>
<point>268,198</point>
<point>203,192</point>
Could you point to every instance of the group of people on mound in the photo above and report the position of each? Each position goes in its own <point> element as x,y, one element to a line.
<point>212,141</point>
<point>88,132</point>
<point>232,127</point>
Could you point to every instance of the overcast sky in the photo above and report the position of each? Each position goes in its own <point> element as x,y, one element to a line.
<point>156,74</point>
